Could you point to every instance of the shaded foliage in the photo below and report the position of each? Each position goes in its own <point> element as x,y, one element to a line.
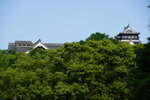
<point>78,71</point>
<point>140,76</point>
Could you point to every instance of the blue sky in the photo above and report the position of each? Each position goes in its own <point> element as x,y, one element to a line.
<point>59,21</point>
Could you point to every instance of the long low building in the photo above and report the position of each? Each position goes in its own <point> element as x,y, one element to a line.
<point>26,46</point>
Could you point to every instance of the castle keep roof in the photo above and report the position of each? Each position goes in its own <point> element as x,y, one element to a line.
<point>128,30</point>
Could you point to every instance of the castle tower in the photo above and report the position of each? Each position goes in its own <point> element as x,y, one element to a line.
<point>128,35</point>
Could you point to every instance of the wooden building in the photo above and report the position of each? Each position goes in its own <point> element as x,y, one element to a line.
<point>128,35</point>
<point>26,46</point>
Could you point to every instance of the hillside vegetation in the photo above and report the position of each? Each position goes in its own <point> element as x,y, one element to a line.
<point>85,70</point>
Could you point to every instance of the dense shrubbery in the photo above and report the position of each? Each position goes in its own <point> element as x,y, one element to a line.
<point>87,70</point>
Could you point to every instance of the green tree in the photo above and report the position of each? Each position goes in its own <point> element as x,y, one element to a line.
<point>139,78</point>
<point>91,70</point>
<point>100,36</point>
<point>6,59</point>
<point>97,36</point>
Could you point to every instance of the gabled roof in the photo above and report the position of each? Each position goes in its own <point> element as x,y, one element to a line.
<point>39,44</point>
<point>128,30</point>
<point>38,41</point>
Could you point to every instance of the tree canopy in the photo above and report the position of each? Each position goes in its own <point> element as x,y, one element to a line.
<point>85,70</point>
<point>100,36</point>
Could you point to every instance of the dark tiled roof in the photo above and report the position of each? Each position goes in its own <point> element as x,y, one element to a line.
<point>129,33</point>
<point>53,45</point>
<point>23,42</point>
<point>11,46</point>
<point>128,30</point>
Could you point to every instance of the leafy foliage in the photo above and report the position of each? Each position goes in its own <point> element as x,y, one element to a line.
<point>85,70</point>
<point>100,36</point>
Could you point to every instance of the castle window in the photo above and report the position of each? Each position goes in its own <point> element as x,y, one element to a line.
<point>129,37</point>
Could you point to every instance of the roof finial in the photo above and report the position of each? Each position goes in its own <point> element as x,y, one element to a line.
<point>128,24</point>
<point>39,40</point>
